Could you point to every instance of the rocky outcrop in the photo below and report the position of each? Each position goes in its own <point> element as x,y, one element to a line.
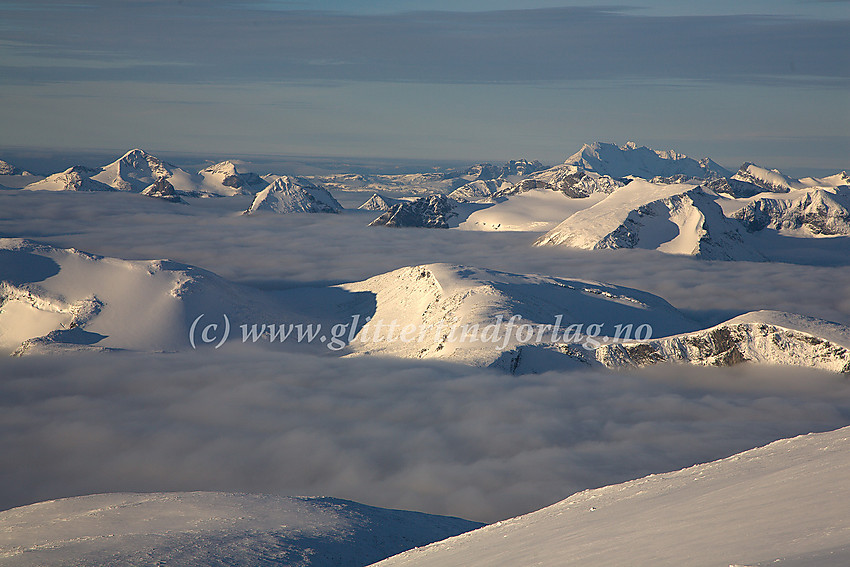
<point>433,211</point>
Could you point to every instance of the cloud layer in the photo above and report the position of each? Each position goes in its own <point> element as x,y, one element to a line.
<point>435,438</point>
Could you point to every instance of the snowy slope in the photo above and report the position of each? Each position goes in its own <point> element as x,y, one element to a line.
<point>478,190</point>
<point>53,298</point>
<point>211,528</point>
<point>403,184</point>
<point>640,161</point>
<point>137,169</point>
<point>75,178</point>
<point>448,310</point>
<point>224,179</point>
<point>674,218</point>
<point>289,194</point>
<point>378,203</point>
<point>569,180</point>
<point>763,337</point>
<point>784,504</point>
<point>811,212</point>
<point>774,181</point>
<point>536,211</point>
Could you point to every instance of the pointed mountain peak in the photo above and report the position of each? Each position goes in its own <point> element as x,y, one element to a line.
<point>226,167</point>
<point>290,194</point>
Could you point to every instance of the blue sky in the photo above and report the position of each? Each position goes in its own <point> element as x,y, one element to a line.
<point>436,80</point>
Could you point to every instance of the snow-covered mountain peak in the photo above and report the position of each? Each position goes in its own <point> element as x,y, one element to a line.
<point>812,212</point>
<point>451,308</point>
<point>226,167</point>
<point>75,178</point>
<point>762,337</point>
<point>135,170</point>
<point>290,194</point>
<point>431,211</point>
<point>141,160</point>
<point>676,218</point>
<point>378,203</point>
<point>640,161</point>
<point>7,168</point>
<point>769,179</point>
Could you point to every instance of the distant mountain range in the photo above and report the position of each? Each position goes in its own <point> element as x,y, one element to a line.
<point>637,197</point>
<point>137,170</point>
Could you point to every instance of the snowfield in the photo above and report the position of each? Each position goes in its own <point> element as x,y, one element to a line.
<point>782,504</point>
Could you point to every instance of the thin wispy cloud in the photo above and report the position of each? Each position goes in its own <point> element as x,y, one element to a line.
<point>168,42</point>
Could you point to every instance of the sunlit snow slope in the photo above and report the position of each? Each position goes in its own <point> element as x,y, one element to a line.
<point>784,504</point>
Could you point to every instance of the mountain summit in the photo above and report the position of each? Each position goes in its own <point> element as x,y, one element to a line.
<point>289,194</point>
<point>640,161</point>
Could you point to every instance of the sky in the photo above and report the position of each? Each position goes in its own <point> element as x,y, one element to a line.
<point>466,80</point>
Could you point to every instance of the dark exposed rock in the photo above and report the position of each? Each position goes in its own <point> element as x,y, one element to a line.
<point>432,211</point>
<point>162,189</point>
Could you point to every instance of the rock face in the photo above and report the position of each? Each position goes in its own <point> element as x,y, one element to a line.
<point>487,171</point>
<point>477,190</point>
<point>7,168</point>
<point>223,179</point>
<point>522,167</point>
<point>289,194</point>
<point>820,212</point>
<point>162,189</point>
<point>735,188</point>
<point>640,161</point>
<point>433,211</point>
<point>75,178</point>
<point>134,171</point>
<point>509,321</point>
<point>378,203</point>
<point>768,179</point>
<point>766,337</point>
<point>676,219</point>
<point>569,180</point>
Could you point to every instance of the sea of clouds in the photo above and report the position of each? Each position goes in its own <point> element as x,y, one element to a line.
<point>434,437</point>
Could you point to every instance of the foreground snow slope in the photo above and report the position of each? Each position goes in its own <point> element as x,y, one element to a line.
<point>783,504</point>
<point>209,528</point>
